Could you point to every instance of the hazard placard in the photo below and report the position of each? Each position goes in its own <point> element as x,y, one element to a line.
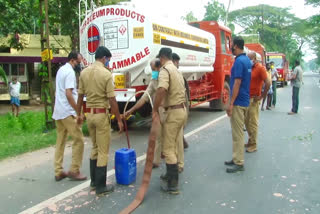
<point>119,81</point>
<point>156,38</point>
<point>138,32</point>
<point>45,56</point>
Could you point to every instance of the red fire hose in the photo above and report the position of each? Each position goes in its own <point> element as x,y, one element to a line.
<point>148,165</point>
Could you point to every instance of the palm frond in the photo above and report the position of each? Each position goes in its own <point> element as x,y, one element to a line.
<point>3,75</point>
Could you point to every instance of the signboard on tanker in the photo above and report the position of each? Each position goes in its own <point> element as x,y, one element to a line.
<point>134,39</point>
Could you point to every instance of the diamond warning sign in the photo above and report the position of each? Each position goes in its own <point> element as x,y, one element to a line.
<point>116,35</point>
<point>122,29</point>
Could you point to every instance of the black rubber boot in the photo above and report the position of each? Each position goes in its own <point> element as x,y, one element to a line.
<point>185,143</point>
<point>93,165</point>
<point>171,179</point>
<point>100,182</point>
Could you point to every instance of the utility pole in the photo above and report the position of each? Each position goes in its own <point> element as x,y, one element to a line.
<point>46,81</point>
<point>226,21</point>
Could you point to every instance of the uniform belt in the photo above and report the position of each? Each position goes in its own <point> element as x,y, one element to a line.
<point>175,106</point>
<point>96,110</point>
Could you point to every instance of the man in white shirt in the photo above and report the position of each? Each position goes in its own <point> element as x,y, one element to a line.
<point>65,115</point>
<point>274,76</point>
<point>14,90</point>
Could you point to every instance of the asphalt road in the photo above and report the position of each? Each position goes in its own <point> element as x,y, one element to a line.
<point>281,177</point>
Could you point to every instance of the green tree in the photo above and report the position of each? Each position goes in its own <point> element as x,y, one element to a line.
<point>23,16</point>
<point>215,11</point>
<point>314,23</point>
<point>18,16</point>
<point>315,3</point>
<point>189,17</point>
<point>279,29</point>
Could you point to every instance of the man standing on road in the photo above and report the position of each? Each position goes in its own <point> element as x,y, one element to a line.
<point>14,90</point>
<point>65,112</point>
<point>96,83</point>
<point>171,89</point>
<point>258,77</point>
<point>274,76</point>
<point>240,100</point>
<point>152,87</point>
<point>296,81</point>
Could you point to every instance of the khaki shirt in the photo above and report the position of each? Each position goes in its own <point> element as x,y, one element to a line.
<point>152,88</point>
<point>172,80</point>
<point>96,83</point>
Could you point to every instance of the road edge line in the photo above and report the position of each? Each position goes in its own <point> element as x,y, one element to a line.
<point>44,204</point>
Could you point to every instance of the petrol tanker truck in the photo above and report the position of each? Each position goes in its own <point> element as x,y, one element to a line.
<point>134,39</point>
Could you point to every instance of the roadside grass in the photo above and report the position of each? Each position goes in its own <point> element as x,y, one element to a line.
<point>25,133</point>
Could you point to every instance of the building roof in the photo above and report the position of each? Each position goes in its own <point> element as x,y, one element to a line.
<point>61,46</point>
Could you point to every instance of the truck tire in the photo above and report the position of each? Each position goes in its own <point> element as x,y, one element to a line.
<point>222,103</point>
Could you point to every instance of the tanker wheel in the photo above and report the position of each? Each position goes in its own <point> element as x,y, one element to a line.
<point>223,102</point>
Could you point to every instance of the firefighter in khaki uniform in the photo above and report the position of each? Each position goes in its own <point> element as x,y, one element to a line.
<point>152,87</point>
<point>170,88</point>
<point>96,83</point>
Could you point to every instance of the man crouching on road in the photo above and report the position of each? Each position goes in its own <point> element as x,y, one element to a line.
<point>170,88</point>
<point>240,99</point>
<point>258,77</point>
<point>96,83</point>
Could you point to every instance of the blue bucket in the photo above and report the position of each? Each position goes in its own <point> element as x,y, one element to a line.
<point>125,166</point>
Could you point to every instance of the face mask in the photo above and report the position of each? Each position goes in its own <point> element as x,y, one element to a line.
<point>233,50</point>
<point>252,63</point>
<point>272,67</point>
<point>77,68</point>
<point>107,64</point>
<point>155,75</point>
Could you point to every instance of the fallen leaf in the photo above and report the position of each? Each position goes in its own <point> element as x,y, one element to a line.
<point>278,195</point>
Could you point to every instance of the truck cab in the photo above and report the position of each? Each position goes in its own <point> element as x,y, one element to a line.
<point>281,64</point>
<point>218,80</point>
<point>258,48</point>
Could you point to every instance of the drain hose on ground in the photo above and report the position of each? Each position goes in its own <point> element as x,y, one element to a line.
<point>149,160</point>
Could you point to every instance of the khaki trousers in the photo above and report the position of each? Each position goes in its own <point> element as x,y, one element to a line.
<point>159,149</point>
<point>252,123</point>
<point>172,133</point>
<point>237,124</point>
<point>65,126</point>
<point>100,133</point>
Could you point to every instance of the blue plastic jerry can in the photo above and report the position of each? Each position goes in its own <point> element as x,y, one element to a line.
<point>125,166</point>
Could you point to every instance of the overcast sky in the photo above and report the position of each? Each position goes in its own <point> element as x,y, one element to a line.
<point>175,9</point>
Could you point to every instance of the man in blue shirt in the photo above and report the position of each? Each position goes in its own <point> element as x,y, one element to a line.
<point>239,103</point>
